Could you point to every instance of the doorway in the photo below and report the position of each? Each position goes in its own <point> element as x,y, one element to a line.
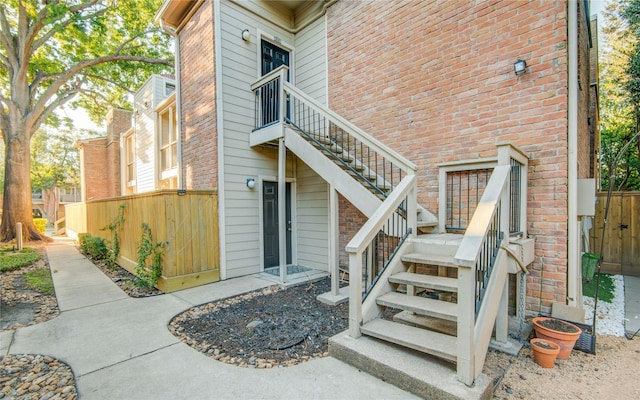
<point>271,226</point>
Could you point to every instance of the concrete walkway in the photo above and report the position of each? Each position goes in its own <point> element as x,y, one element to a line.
<point>120,347</point>
<point>632,305</point>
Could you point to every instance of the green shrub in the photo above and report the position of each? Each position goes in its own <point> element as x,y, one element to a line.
<point>82,241</point>
<point>11,260</point>
<point>41,224</point>
<point>96,247</point>
<point>148,271</point>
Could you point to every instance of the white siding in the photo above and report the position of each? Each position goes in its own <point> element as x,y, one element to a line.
<point>145,101</point>
<point>144,126</point>
<point>311,61</point>
<point>312,218</point>
<point>239,61</point>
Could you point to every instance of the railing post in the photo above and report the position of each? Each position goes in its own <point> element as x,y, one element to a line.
<point>466,325</point>
<point>412,210</point>
<point>281,97</point>
<point>355,294</point>
<point>334,263</point>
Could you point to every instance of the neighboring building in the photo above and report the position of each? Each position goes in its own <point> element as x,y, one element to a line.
<point>334,132</point>
<point>139,152</point>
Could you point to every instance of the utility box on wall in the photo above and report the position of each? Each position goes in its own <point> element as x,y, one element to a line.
<point>587,197</point>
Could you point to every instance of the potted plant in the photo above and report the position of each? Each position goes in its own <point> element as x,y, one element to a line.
<point>544,352</point>
<point>561,332</point>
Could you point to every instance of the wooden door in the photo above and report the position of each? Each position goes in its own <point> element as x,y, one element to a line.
<point>629,228</point>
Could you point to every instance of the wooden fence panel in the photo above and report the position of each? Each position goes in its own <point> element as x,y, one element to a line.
<point>186,224</point>
<point>621,248</point>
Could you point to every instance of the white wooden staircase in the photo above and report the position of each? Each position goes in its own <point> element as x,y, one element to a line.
<point>437,296</point>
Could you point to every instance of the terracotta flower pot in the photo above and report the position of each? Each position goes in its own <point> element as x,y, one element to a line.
<point>544,352</point>
<point>563,333</point>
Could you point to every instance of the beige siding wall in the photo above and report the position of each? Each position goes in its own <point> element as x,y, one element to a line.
<point>312,218</point>
<point>311,60</point>
<point>145,101</point>
<point>144,140</point>
<point>239,62</point>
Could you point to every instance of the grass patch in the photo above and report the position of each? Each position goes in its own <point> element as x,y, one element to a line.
<point>39,280</point>
<point>11,260</point>
<point>607,288</point>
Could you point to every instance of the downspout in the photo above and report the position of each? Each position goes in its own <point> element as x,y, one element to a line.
<point>176,45</point>
<point>572,185</point>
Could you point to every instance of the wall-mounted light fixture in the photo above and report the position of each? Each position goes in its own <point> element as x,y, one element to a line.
<point>251,183</point>
<point>246,35</point>
<point>520,67</point>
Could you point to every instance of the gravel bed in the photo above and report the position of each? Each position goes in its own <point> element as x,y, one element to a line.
<point>36,377</point>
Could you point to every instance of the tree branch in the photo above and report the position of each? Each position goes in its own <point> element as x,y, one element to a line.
<point>6,39</point>
<point>57,102</point>
<point>102,78</point>
<point>63,24</point>
<point>64,77</point>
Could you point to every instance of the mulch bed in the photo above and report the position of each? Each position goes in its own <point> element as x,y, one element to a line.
<point>124,279</point>
<point>272,327</point>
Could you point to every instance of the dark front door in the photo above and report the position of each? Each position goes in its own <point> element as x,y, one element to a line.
<point>272,57</point>
<point>270,224</point>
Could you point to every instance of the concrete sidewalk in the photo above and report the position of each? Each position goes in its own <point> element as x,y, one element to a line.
<point>120,347</point>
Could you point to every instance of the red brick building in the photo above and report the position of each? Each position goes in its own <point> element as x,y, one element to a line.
<point>418,97</point>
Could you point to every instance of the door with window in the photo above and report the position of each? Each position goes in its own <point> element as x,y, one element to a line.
<point>272,57</point>
<point>271,225</point>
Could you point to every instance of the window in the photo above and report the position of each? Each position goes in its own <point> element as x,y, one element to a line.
<point>129,162</point>
<point>169,88</point>
<point>167,145</point>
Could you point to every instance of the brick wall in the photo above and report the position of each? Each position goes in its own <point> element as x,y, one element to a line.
<point>198,96</point>
<point>435,81</point>
<point>93,159</point>
<point>585,149</point>
<point>118,122</point>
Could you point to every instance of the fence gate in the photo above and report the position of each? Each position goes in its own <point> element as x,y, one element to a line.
<point>621,251</point>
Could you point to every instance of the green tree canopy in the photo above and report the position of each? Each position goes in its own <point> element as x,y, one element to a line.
<point>620,93</point>
<point>89,53</point>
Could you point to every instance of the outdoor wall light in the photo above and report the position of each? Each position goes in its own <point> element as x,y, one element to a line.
<point>520,67</point>
<point>251,183</point>
<point>246,35</point>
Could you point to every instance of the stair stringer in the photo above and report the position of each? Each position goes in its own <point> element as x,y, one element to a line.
<point>488,313</point>
<point>370,309</point>
<point>358,195</point>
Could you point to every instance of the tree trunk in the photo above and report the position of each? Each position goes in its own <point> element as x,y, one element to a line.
<point>17,206</point>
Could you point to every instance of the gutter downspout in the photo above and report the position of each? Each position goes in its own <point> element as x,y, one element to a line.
<point>176,45</point>
<point>573,295</point>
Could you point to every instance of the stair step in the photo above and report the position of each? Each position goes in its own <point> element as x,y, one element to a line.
<point>429,259</point>
<point>426,322</point>
<point>426,281</point>
<point>420,305</point>
<point>437,344</point>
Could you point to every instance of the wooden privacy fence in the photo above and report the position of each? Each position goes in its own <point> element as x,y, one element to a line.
<point>621,250</point>
<point>186,224</point>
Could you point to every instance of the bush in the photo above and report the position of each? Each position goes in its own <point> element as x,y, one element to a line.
<point>95,247</point>
<point>11,260</point>
<point>41,224</point>
<point>82,241</point>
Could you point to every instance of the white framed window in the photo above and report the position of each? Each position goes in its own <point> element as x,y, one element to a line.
<point>167,144</point>
<point>130,162</point>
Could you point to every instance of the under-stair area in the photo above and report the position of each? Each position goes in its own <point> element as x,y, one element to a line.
<point>424,304</point>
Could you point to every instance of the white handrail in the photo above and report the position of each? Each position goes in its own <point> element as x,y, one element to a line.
<point>379,218</point>
<point>471,243</point>
<point>268,77</point>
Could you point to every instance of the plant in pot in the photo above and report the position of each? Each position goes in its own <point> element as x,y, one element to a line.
<point>561,332</point>
<point>544,352</point>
